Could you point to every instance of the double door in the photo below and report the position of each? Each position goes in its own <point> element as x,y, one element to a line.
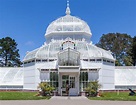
<point>69,85</point>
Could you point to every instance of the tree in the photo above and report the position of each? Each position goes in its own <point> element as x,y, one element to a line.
<point>119,45</point>
<point>134,51</point>
<point>9,56</point>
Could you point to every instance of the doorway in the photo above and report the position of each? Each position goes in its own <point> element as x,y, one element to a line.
<point>65,82</point>
<point>69,85</point>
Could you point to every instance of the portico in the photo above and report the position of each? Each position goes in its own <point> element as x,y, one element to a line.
<point>70,74</point>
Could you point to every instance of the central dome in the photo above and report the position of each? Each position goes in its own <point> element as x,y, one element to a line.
<point>68,23</point>
<point>68,26</point>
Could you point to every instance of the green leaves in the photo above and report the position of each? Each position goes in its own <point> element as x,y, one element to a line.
<point>46,88</point>
<point>134,51</point>
<point>9,56</point>
<point>120,45</point>
<point>92,88</point>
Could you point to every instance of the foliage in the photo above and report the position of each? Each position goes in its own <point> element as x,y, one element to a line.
<point>9,56</point>
<point>45,88</point>
<point>120,45</point>
<point>20,96</point>
<point>122,96</point>
<point>133,54</point>
<point>92,88</point>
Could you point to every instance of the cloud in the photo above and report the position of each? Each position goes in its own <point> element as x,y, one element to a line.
<point>30,43</point>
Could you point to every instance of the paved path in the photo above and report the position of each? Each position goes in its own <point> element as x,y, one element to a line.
<point>69,98</point>
<point>66,101</point>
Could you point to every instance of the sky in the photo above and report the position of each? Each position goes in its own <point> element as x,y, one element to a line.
<point>26,20</point>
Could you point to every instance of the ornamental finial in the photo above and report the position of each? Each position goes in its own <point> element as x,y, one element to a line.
<point>68,9</point>
<point>67,3</point>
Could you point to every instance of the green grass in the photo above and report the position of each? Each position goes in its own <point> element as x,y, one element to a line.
<point>21,96</point>
<point>121,96</point>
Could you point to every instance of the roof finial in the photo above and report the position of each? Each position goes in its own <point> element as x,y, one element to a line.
<point>67,3</point>
<point>68,9</point>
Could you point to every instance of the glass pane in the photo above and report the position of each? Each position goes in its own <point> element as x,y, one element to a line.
<point>72,82</point>
<point>51,76</point>
<point>86,76</point>
<point>65,77</point>
<point>63,84</point>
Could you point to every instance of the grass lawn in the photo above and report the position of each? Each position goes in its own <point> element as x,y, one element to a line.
<point>21,96</point>
<point>121,96</point>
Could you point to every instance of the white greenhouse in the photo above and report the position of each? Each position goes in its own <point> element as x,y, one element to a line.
<point>11,78</point>
<point>68,57</point>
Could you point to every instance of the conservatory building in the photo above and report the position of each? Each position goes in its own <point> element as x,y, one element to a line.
<point>68,57</point>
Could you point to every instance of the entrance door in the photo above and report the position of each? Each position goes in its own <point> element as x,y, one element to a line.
<point>65,78</point>
<point>70,80</point>
<point>73,85</point>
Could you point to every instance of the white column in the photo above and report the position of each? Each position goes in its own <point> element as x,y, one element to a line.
<point>60,84</point>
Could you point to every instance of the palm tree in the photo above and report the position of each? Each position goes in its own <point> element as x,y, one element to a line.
<point>46,89</point>
<point>92,88</point>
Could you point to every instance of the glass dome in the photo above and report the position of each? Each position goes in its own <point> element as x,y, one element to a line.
<point>50,51</point>
<point>67,29</point>
<point>68,23</point>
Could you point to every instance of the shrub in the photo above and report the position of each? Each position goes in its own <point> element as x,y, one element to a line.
<point>92,88</point>
<point>46,89</point>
